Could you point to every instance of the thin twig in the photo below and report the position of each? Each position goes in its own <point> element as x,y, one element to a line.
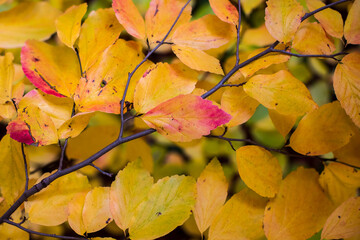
<point>238,35</point>
<point>78,57</point>
<point>101,171</point>
<point>322,8</point>
<point>130,75</point>
<point>26,167</point>
<point>309,55</point>
<point>42,234</point>
<point>62,155</point>
<point>233,85</point>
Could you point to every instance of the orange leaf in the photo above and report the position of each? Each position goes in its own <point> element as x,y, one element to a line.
<point>282,18</point>
<point>129,16</point>
<point>352,24</point>
<point>185,117</point>
<point>225,11</point>
<point>257,36</point>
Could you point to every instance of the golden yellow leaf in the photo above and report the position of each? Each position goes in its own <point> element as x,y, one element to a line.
<point>323,130</point>
<point>249,5</point>
<point>168,205</point>
<point>211,194</point>
<point>74,126</point>
<point>96,211</point>
<point>240,218</point>
<point>204,33</point>
<point>282,123</point>
<point>344,222</point>
<point>282,18</point>
<point>54,70</point>
<point>259,169</point>
<point>300,208</point>
<point>175,79</point>
<point>329,19</point>
<point>9,232</point>
<point>197,59</point>
<point>259,37</point>
<point>318,43</point>
<point>75,209</point>
<point>12,171</point>
<point>352,24</point>
<point>282,92</point>
<point>28,20</point>
<point>347,85</point>
<point>160,17</point>
<point>69,23</point>
<point>130,17</point>
<point>350,153</point>
<point>225,11</point>
<point>91,44</point>
<point>6,77</point>
<point>239,105</point>
<point>48,207</point>
<point>130,188</point>
<point>340,182</point>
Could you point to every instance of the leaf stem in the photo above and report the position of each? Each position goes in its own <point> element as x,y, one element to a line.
<point>238,35</point>
<point>26,167</point>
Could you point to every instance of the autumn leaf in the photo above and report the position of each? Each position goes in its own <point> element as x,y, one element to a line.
<point>7,72</point>
<point>323,130</point>
<point>257,37</point>
<point>225,11</point>
<point>74,126</point>
<point>297,213</point>
<point>211,194</point>
<point>185,117</point>
<point>350,152</point>
<point>352,25</point>
<point>249,5</point>
<point>28,20</point>
<point>282,18</point>
<point>283,123</point>
<point>69,23</point>
<point>346,85</point>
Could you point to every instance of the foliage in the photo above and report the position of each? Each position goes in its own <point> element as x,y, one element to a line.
<point>128,119</point>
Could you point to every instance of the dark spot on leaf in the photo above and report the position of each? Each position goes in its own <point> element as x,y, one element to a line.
<point>87,90</point>
<point>103,83</point>
<point>156,10</point>
<point>158,213</point>
<point>276,104</point>
<point>111,26</point>
<point>108,220</point>
<point>35,59</point>
<point>45,125</point>
<point>339,217</point>
<point>355,170</point>
<point>307,153</point>
<point>268,208</point>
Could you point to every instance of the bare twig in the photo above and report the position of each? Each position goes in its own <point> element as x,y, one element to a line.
<point>309,55</point>
<point>26,167</point>
<point>238,35</point>
<point>101,171</point>
<point>322,8</point>
<point>233,85</point>
<point>62,155</point>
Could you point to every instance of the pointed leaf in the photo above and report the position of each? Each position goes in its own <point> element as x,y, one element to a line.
<point>54,70</point>
<point>129,16</point>
<point>240,218</point>
<point>300,208</point>
<point>350,152</point>
<point>48,207</point>
<point>344,222</point>
<point>185,118</point>
<point>225,11</point>
<point>211,194</point>
<point>198,59</point>
<point>6,77</point>
<point>68,24</point>
<point>282,123</point>
<point>75,209</point>
<point>347,85</point>
<point>321,131</point>
<point>130,188</point>
<point>204,33</point>
<point>168,205</point>
<point>329,19</point>
<point>175,79</point>
<point>352,24</point>
<point>259,37</point>
<point>282,18</point>
<point>74,126</point>
<point>282,92</point>
<point>28,20</point>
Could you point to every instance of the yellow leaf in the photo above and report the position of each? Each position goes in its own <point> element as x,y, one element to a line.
<point>174,78</point>
<point>160,17</point>
<point>185,117</point>
<point>319,43</point>
<point>329,19</point>
<point>7,72</point>
<point>197,59</point>
<point>53,69</point>
<point>344,222</point>
<point>300,208</point>
<point>323,130</point>
<point>129,16</point>
<point>225,11</point>
<point>68,24</point>
<point>282,92</point>
<point>74,126</point>
<point>340,182</point>
<point>283,123</point>
<point>48,207</point>
<point>75,209</point>
<point>282,18</point>
<point>103,86</point>
<point>262,63</point>
<point>168,205</point>
<point>9,232</point>
<point>130,188</point>
<point>249,5</point>
<point>211,194</point>
<point>350,152</point>
<point>352,24</point>
<point>91,43</point>
<point>240,218</point>
<point>347,85</point>
<point>204,33</point>
<point>259,169</point>
<point>239,105</point>
<point>257,36</point>
<point>96,211</point>
<point>28,20</point>
<point>12,171</point>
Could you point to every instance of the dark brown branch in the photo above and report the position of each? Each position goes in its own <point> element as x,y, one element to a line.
<point>309,55</point>
<point>26,167</point>
<point>307,15</point>
<point>62,154</point>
